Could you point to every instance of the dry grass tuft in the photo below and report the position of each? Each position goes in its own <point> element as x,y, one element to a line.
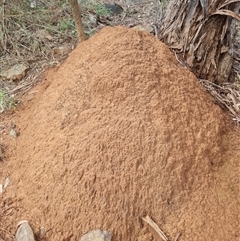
<point>227,96</point>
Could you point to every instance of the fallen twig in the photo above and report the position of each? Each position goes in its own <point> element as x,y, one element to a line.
<point>155,30</point>
<point>178,235</point>
<point>124,16</point>
<point>180,62</point>
<point>4,41</point>
<point>148,220</point>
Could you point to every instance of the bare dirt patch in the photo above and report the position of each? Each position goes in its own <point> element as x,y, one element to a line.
<point>117,132</point>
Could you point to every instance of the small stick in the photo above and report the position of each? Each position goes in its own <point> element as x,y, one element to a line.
<point>148,220</point>
<point>76,12</point>
<point>155,30</point>
<point>179,60</point>
<point>4,42</point>
<point>176,238</point>
<point>124,16</point>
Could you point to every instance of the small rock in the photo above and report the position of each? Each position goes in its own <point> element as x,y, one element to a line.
<point>147,28</point>
<point>33,4</point>
<point>13,133</point>
<point>114,8</point>
<point>97,235</point>
<point>6,182</point>
<point>24,232</point>
<point>42,233</point>
<point>16,73</point>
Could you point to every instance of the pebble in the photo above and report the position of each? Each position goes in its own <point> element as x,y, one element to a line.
<point>97,235</point>
<point>16,73</point>
<point>24,232</point>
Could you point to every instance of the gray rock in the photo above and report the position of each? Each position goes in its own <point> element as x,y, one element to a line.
<point>97,235</point>
<point>16,73</point>
<point>113,8</point>
<point>13,133</point>
<point>24,232</point>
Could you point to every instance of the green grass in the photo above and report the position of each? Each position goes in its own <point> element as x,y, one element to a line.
<point>7,102</point>
<point>238,33</point>
<point>97,8</point>
<point>66,24</point>
<point>101,10</point>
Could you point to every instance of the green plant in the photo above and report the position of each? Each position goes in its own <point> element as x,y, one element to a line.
<point>101,10</point>
<point>66,24</point>
<point>7,102</point>
<point>97,8</point>
<point>238,33</point>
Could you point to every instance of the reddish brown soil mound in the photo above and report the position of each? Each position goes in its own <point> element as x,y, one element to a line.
<point>123,132</point>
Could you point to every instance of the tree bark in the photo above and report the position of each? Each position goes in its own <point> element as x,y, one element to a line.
<point>76,11</point>
<point>201,32</point>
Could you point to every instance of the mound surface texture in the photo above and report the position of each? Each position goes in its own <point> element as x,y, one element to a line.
<point>123,131</point>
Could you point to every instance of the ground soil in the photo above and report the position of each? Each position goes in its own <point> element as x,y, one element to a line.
<point>117,132</point>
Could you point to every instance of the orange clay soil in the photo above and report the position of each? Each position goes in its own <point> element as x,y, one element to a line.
<point>120,131</point>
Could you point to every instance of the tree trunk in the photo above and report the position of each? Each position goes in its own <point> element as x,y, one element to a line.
<point>201,32</point>
<point>76,11</point>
